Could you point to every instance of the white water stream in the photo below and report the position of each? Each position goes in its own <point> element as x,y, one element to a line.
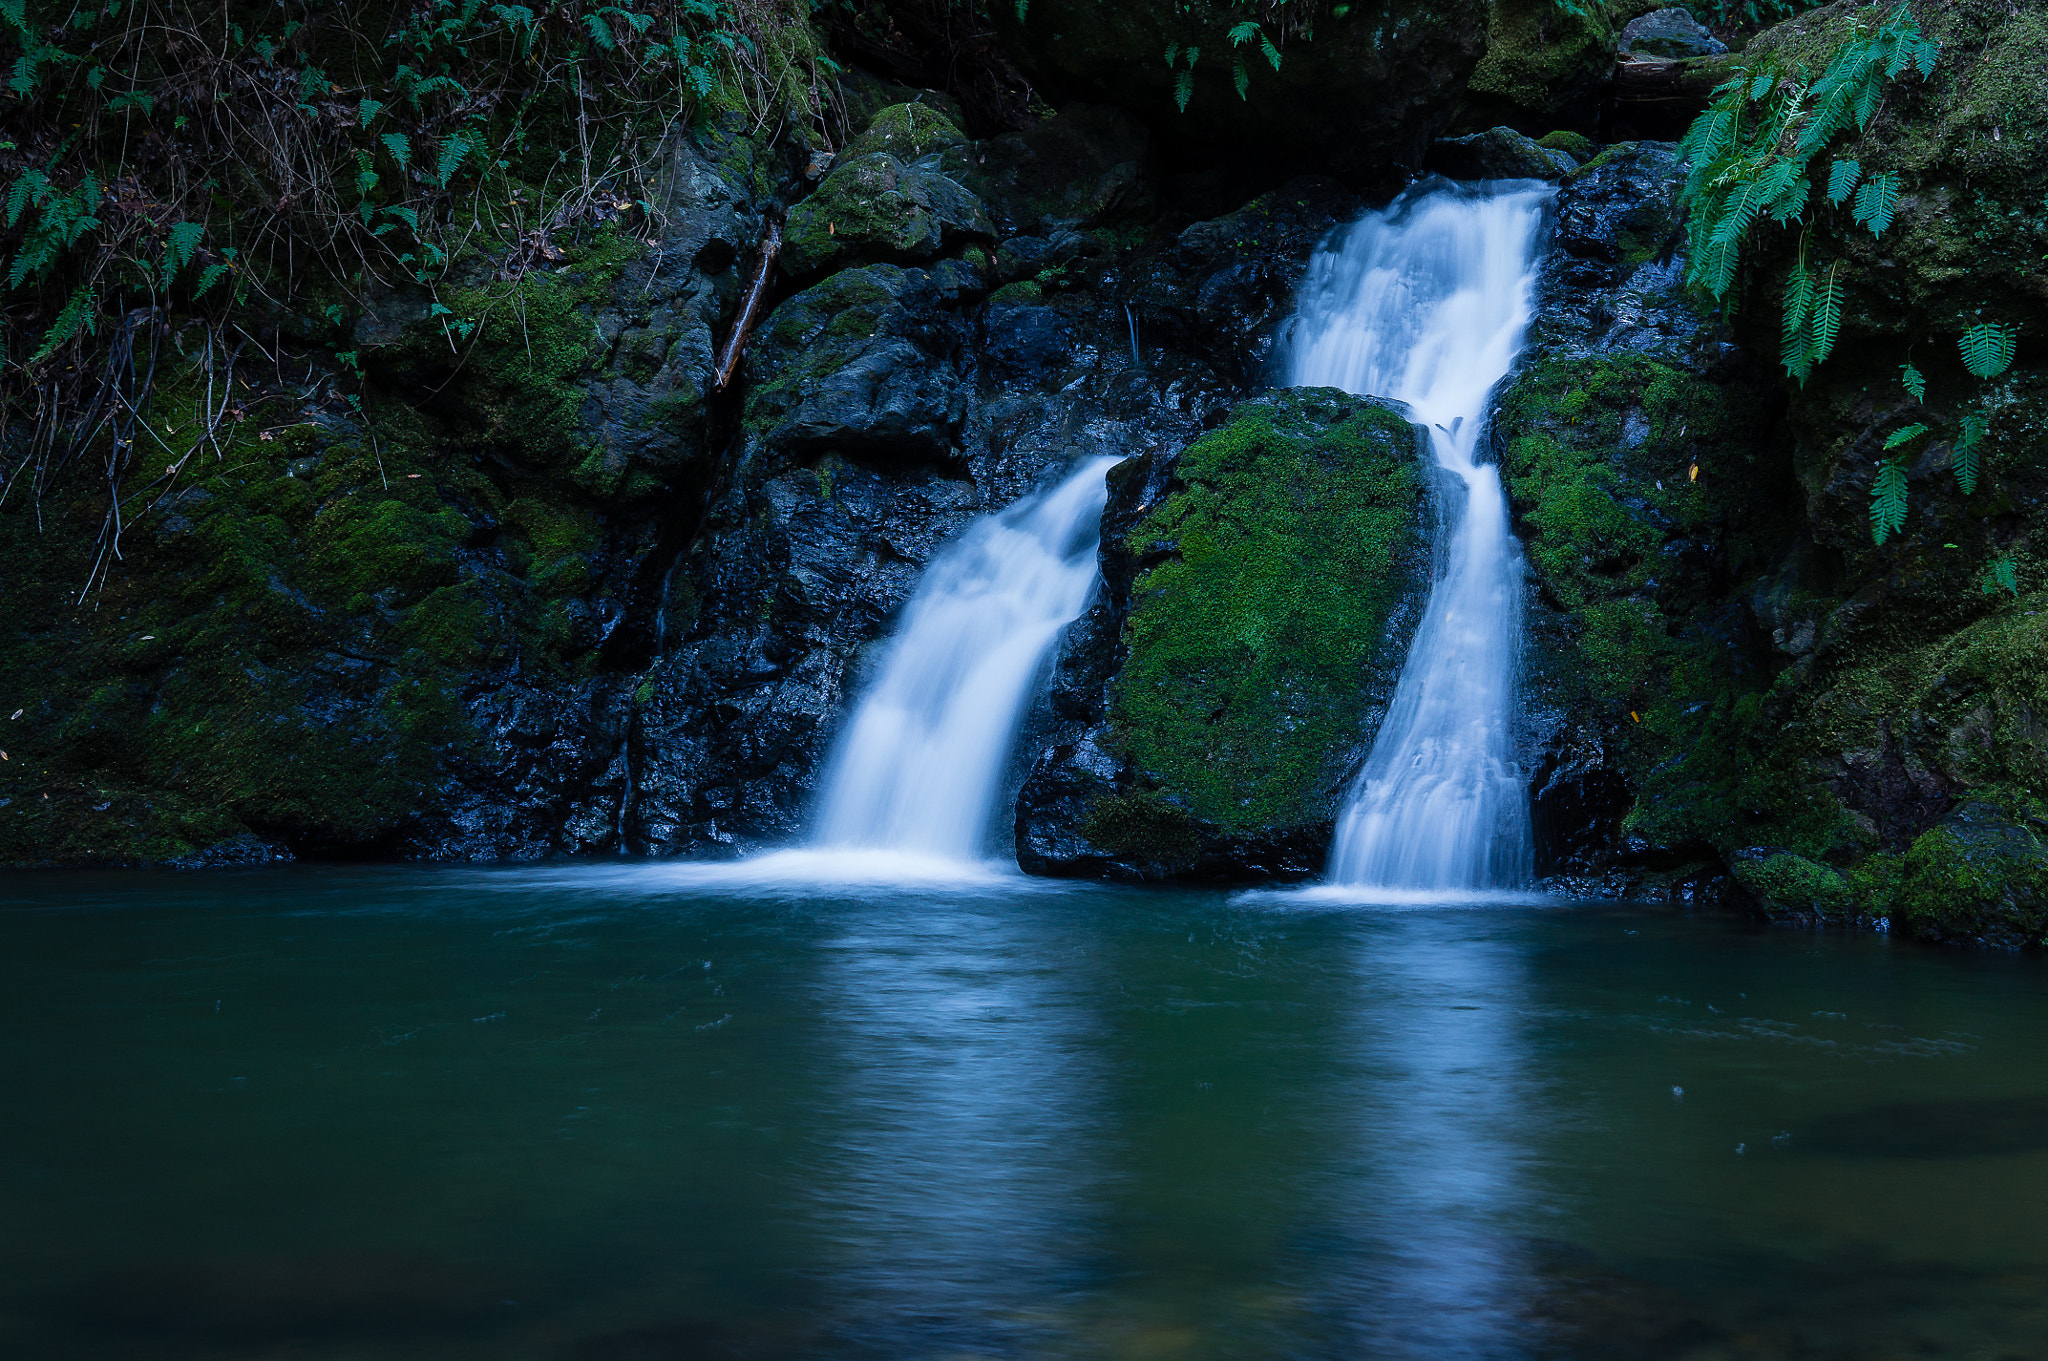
<point>1426,302</point>
<point>920,765</point>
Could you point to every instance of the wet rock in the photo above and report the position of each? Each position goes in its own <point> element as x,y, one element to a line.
<point>1545,67</point>
<point>1671,34</point>
<point>1498,154</point>
<point>1979,877</point>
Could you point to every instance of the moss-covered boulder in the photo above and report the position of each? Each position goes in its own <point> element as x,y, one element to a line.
<point>1546,66</point>
<point>886,198</point>
<point>868,363</point>
<point>1499,154</point>
<point>1268,595</point>
<point>1978,877</point>
<point>1359,88</point>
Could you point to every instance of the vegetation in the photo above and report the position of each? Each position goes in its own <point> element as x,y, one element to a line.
<point>184,185</point>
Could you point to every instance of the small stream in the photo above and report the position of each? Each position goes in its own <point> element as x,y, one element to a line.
<point>609,1112</point>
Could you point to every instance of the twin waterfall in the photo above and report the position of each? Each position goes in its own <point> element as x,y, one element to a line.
<point>1426,303</point>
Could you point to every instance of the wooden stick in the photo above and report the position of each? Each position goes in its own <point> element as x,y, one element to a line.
<point>750,310</point>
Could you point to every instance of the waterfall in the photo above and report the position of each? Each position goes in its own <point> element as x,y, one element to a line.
<point>920,765</point>
<point>1426,302</point>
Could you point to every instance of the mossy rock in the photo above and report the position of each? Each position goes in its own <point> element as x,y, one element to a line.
<point>907,132</point>
<point>1789,887</point>
<point>884,201</point>
<point>1576,145</point>
<point>1978,877</point>
<point>1545,68</point>
<point>1259,626</point>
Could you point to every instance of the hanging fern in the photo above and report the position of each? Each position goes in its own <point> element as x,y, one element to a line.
<point>1911,379</point>
<point>1967,457</point>
<point>1877,202</point>
<point>1905,435</point>
<point>1888,500</point>
<point>1988,348</point>
<point>1750,156</point>
<point>1842,177</point>
<point>1827,314</point>
<point>1796,352</point>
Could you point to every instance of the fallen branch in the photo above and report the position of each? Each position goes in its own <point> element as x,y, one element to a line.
<point>750,310</point>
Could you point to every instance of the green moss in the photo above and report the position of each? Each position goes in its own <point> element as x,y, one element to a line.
<point>1574,144</point>
<point>1793,886</point>
<point>1023,293</point>
<point>1543,66</point>
<point>907,132</point>
<point>1976,877</point>
<point>1252,640</point>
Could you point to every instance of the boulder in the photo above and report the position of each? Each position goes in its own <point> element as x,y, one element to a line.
<point>1545,67</point>
<point>1498,154</point>
<point>1670,33</point>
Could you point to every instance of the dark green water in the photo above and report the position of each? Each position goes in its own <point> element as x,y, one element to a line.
<point>599,1115</point>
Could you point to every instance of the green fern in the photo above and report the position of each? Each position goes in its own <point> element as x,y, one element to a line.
<point>1827,314</point>
<point>1842,177</point>
<point>1877,202</point>
<point>1904,435</point>
<point>1967,457</point>
<point>1888,500</point>
<point>2001,574</point>
<point>1796,351</point>
<point>1911,379</point>
<point>1987,349</point>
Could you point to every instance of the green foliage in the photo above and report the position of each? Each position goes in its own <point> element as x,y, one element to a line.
<point>1749,156</point>
<point>1888,500</point>
<point>1967,456</point>
<point>2001,574</point>
<point>1987,349</point>
<point>1913,381</point>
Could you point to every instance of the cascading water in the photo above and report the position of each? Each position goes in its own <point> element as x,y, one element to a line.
<point>1426,302</point>
<point>921,762</point>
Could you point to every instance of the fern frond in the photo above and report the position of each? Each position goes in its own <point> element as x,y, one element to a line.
<point>1904,435</point>
<point>2001,575</point>
<point>1987,349</point>
<point>1827,314</point>
<point>1966,459</point>
<point>1888,500</point>
<point>1184,87</point>
<point>1842,177</point>
<point>1796,352</point>
<point>1240,78</point>
<point>1913,381</point>
<point>1877,202</point>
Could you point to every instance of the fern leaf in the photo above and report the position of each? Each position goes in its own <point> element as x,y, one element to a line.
<point>1925,58</point>
<point>1790,204</point>
<point>1905,435</point>
<point>1967,457</point>
<point>1877,202</point>
<point>1761,86</point>
<point>1868,96</point>
<point>1888,501</point>
<point>1797,350</point>
<point>400,147</point>
<point>178,248</point>
<point>1987,349</point>
<point>2001,575</point>
<point>600,32</point>
<point>77,315</point>
<point>1842,177</point>
<point>367,109</point>
<point>1827,314</point>
<point>1243,33</point>
<point>1172,54</point>
<point>1239,78</point>
<point>1184,88</point>
<point>1913,381</point>
<point>1272,52</point>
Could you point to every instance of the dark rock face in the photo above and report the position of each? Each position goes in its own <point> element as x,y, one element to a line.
<point>1645,458</point>
<point>1669,33</point>
<point>1366,93</point>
